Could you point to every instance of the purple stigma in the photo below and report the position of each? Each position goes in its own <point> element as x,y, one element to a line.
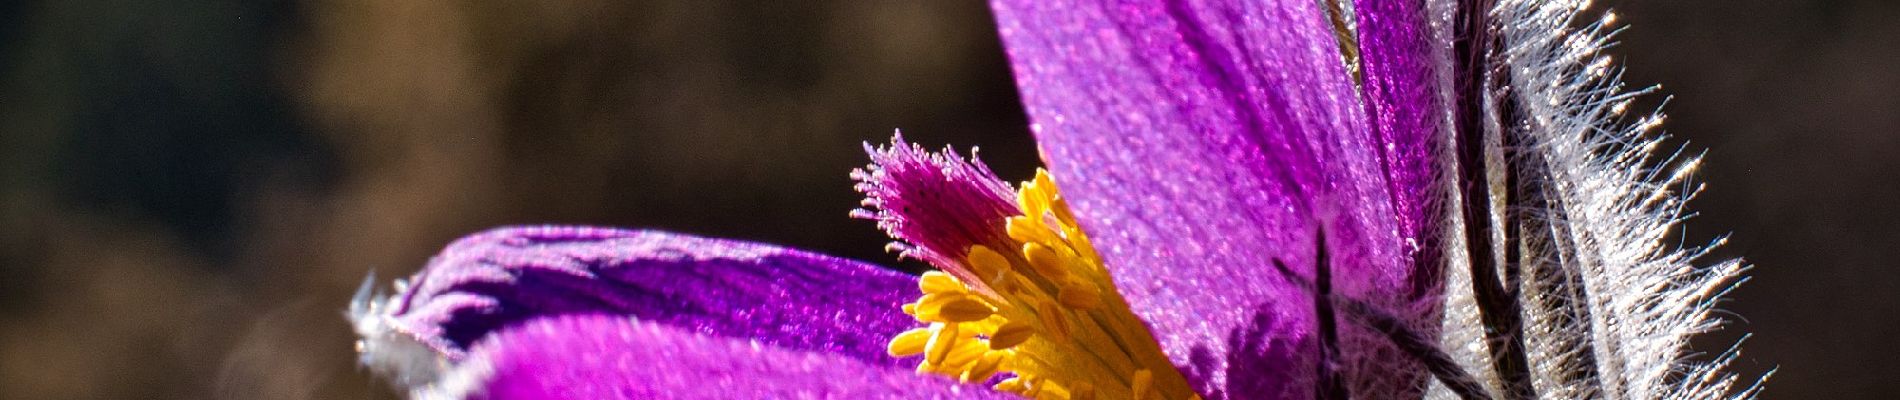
<point>936,205</point>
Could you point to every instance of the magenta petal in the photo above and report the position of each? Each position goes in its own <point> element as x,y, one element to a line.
<point>780,297</point>
<point>604,357</point>
<point>1401,89</point>
<point>1199,143</point>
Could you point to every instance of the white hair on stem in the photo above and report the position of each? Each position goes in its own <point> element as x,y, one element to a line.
<point>1608,303</point>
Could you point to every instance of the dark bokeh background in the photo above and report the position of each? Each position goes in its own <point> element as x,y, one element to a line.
<point>189,190</point>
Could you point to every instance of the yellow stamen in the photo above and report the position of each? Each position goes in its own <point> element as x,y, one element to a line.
<point>984,368</point>
<point>1012,385</point>
<point>1010,335</point>
<point>1022,229</point>
<point>930,307</point>
<point>1083,391</point>
<point>910,342</point>
<point>1052,318</point>
<point>1046,261</point>
<point>940,344</point>
<point>1142,382</point>
<point>1046,313</point>
<point>986,263</point>
<point>966,353</point>
<point>1081,295</point>
<point>938,282</point>
<point>966,309</point>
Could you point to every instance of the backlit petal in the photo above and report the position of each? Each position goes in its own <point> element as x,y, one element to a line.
<point>1200,141</point>
<point>609,357</point>
<point>780,297</point>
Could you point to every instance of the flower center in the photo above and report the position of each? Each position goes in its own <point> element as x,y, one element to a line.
<point>1034,301</point>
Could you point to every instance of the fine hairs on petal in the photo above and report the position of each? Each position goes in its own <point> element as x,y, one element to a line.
<point>1585,204</point>
<point>407,364</point>
<point>462,381</point>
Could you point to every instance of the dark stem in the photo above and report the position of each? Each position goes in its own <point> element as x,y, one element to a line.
<point>1559,281</point>
<point>1514,197</point>
<point>1334,386</point>
<point>1497,308</point>
<point>1414,344</point>
<point>1564,296</point>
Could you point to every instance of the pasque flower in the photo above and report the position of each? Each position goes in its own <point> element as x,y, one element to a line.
<point>1244,199</point>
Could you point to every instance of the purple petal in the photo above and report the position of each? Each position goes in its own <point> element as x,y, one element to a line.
<point>604,357</point>
<point>801,301</point>
<point>1401,93</point>
<point>1200,143</point>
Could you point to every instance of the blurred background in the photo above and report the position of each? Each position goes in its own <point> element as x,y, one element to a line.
<point>190,190</point>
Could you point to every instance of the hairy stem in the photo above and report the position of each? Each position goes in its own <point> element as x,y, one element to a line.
<point>1498,309</point>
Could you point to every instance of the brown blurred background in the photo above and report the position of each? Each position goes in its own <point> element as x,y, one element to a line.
<point>190,189</point>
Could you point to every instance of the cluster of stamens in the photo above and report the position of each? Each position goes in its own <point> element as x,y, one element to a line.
<point>1034,305</point>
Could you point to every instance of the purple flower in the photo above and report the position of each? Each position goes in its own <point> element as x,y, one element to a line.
<point>589,313</point>
<point>1249,208</point>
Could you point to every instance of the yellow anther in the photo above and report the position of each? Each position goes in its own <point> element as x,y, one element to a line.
<point>1029,204</point>
<point>1005,282</point>
<point>1021,228</point>
<point>966,309</point>
<point>1026,230</point>
<point>986,263</point>
<point>1052,318</point>
<point>941,343</point>
<point>931,302</point>
<point>1141,383</point>
<point>1035,389</point>
<point>909,343</point>
<point>1011,334</point>
<point>1044,389</point>
<point>1045,182</point>
<point>939,282</point>
<point>1082,391</point>
<point>1080,243</point>
<point>931,305</point>
<point>1012,385</point>
<point>984,368</point>
<point>1054,289</point>
<point>1060,207</point>
<point>1046,261</point>
<point>1080,295</point>
<point>966,353</point>
<point>986,326</point>
<point>1035,195</point>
